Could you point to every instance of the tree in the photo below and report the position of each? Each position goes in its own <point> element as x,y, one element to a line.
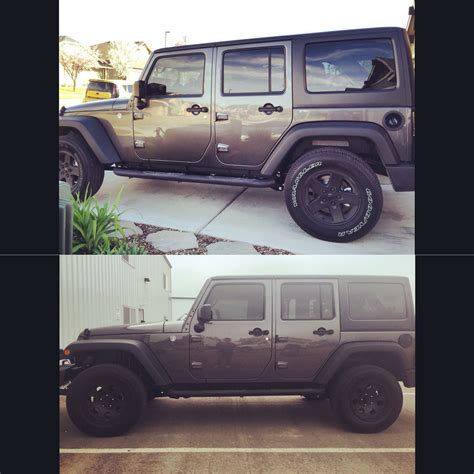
<point>75,58</point>
<point>120,57</point>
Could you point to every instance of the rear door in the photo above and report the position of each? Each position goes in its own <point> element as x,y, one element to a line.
<point>237,343</point>
<point>253,101</point>
<point>307,327</point>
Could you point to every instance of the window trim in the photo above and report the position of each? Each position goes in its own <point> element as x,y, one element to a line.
<point>375,91</point>
<point>237,320</point>
<point>245,94</point>
<point>178,95</point>
<point>319,283</point>
<point>378,319</point>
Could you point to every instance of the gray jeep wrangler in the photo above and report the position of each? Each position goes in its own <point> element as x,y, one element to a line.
<point>349,339</point>
<point>314,115</point>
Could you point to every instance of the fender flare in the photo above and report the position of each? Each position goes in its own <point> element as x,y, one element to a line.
<point>385,148</point>
<point>94,134</point>
<point>136,348</point>
<point>337,358</point>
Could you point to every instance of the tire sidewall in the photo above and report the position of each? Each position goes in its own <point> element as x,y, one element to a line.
<point>81,158</point>
<point>369,189</point>
<point>130,385</point>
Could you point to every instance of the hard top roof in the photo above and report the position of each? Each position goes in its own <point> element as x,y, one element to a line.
<point>258,277</point>
<point>326,34</point>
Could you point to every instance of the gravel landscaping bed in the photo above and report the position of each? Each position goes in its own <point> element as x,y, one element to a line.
<point>203,242</point>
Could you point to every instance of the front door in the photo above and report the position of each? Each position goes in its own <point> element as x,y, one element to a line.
<point>253,101</point>
<point>237,343</point>
<point>307,326</point>
<point>176,126</point>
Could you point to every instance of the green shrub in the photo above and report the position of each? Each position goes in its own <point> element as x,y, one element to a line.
<point>94,225</point>
<point>123,247</point>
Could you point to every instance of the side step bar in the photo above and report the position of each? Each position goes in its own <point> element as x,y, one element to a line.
<point>194,178</point>
<point>242,392</point>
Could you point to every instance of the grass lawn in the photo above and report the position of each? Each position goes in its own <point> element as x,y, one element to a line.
<point>67,93</point>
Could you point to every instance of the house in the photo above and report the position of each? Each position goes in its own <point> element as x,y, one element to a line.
<point>100,290</point>
<point>140,52</point>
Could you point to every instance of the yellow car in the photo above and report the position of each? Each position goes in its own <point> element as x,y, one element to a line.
<point>106,89</point>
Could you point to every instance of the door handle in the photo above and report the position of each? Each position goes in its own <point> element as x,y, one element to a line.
<point>196,109</point>
<point>323,331</point>
<point>270,108</point>
<point>258,332</point>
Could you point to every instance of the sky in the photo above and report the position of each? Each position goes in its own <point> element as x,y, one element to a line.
<point>95,21</point>
<point>189,272</point>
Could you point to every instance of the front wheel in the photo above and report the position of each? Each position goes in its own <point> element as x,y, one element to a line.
<point>333,195</point>
<point>106,400</point>
<point>367,399</point>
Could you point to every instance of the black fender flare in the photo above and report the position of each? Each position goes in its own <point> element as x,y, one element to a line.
<point>371,131</point>
<point>136,348</point>
<point>95,135</point>
<point>343,352</point>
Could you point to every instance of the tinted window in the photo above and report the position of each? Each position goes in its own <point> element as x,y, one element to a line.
<point>182,75</point>
<point>237,302</point>
<point>369,301</point>
<point>100,86</point>
<point>348,66</point>
<point>307,301</point>
<point>260,70</point>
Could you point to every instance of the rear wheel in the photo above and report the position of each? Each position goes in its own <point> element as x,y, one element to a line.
<point>106,400</point>
<point>367,399</point>
<point>78,166</point>
<point>333,195</point>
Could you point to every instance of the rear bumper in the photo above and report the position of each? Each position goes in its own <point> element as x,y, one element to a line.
<point>409,379</point>
<point>402,177</point>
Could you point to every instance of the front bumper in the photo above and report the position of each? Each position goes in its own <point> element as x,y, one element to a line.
<point>66,372</point>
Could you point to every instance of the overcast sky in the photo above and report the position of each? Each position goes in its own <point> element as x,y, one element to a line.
<point>95,21</point>
<point>189,272</point>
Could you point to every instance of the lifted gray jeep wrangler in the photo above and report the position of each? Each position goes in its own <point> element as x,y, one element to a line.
<point>314,115</point>
<point>349,339</point>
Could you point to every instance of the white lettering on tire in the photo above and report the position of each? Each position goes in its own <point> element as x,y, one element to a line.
<point>298,178</point>
<point>364,221</point>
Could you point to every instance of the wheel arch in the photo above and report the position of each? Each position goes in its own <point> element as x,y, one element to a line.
<point>359,137</point>
<point>387,355</point>
<point>132,354</point>
<point>93,133</point>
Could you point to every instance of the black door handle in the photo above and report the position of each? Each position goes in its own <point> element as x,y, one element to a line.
<point>196,110</point>
<point>270,108</point>
<point>323,331</point>
<point>258,332</point>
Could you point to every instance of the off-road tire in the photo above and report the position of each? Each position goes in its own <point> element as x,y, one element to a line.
<point>304,185</point>
<point>345,404</point>
<point>91,172</point>
<point>128,394</point>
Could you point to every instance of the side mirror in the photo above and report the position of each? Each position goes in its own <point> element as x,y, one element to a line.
<point>139,89</point>
<point>154,89</point>
<point>205,313</point>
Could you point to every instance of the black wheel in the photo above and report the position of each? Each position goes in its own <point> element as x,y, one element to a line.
<point>78,166</point>
<point>333,195</point>
<point>367,399</point>
<point>106,400</point>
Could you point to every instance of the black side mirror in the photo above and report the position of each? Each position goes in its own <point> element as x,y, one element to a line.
<point>154,89</point>
<point>205,313</point>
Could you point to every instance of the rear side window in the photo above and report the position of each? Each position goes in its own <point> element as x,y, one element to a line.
<point>237,302</point>
<point>307,301</point>
<point>373,301</point>
<point>350,66</point>
<point>100,86</point>
<point>254,71</point>
<point>182,75</point>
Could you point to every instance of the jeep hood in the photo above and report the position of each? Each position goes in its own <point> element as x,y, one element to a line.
<point>98,105</point>
<point>122,329</point>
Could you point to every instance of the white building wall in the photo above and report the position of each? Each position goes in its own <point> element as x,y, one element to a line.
<point>179,306</point>
<point>94,290</point>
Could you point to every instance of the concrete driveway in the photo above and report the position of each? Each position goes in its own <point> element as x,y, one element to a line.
<point>234,435</point>
<point>256,216</point>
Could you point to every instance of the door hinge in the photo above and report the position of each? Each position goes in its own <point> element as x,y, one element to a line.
<point>196,365</point>
<point>138,115</point>
<point>282,365</point>
<point>222,147</point>
<point>196,338</point>
<point>222,116</point>
<point>139,143</point>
